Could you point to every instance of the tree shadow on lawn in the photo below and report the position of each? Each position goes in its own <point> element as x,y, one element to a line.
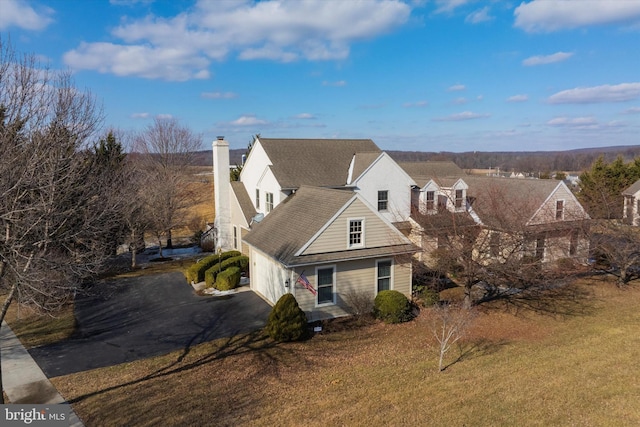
<point>476,348</point>
<point>257,342</point>
<point>561,300</point>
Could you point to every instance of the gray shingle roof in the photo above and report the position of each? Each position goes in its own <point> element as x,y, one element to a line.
<point>297,219</point>
<point>633,189</point>
<point>422,172</point>
<point>244,200</point>
<point>315,162</point>
<point>507,203</point>
<point>362,161</point>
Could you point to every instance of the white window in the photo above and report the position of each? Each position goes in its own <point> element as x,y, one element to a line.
<point>383,200</point>
<point>235,237</point>
<point>383,274</point>
<point>269,202</point>
<point>431,200</point>
<point>325,285</point>
<point>559,209</point>
<point>257,198</point>
<point>356,230</point>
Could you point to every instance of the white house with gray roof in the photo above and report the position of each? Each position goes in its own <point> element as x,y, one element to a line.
<point>293,195</point>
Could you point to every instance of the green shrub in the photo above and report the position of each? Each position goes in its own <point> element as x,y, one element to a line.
<point>429,297</point>
<point>287,322</point>
<point>196,273</point>
<point>210,276</point>
<point>240,261</point>
<point>228,279</point>
<point>392,307</point>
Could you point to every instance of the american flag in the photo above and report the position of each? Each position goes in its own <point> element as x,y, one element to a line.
<point>305,282</point>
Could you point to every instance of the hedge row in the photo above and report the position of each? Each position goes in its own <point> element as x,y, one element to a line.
<point>210,276</point>
<point>196,273</point>
<point>228,279</point>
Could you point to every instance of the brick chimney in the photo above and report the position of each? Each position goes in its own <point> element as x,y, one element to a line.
<point>222,200</point>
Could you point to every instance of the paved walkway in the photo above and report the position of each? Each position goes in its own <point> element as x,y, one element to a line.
<point>22,379</point>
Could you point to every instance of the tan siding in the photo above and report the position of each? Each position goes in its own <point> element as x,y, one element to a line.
<point>351,277</point>
<point>335,238</point>
<point>244,247</point>
<point>572,209</point>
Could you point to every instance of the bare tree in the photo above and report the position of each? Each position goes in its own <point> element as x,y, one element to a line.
<point>499,247</point>
<point>616,247</point>
<point>55,216</point>
<point>449,323</point>
<point>165,152</point>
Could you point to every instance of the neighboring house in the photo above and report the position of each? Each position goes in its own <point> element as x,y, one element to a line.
<point>631,214</point>
<point>336,241</point>
<point>545,212</point>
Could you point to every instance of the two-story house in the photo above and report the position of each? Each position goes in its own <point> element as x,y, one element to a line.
<point>305,207</point>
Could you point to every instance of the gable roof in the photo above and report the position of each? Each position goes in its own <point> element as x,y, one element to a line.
<point>633,189</point>
<point>361,161</point>
<point>506,203</point>
<point>240,191</point>
<point>295,221</point>
<point>443,173</point>
<point>314,162</point>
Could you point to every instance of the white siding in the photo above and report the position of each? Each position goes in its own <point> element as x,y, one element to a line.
<point>256,174</point>
<point>385,174</point>
<point>268,276</point>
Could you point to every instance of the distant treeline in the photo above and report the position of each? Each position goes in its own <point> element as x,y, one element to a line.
<point>525,161</point>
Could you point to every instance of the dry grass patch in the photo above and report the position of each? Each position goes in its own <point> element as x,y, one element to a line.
<point>524,369</point>
<point>36,329</point>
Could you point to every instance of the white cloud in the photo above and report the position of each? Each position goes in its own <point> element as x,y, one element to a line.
<point>305,116</point>
<point>218,95</point>
<point>164,116</point>
<point>140,115</point>
<point>581,122</point>
<point>177,64</point>
<point>547,59</point>
<point>546,15</point>
<point>465,115</point>
<point>596,94</point>
<point>456,88</point>
<point>17,13</point>
<point>182,47</point>
<point>417,104</point>
<point>445,6</point>
<point>338,83</point>
<point>478,16</point>
<point>460,101</point>
<point>632,110</point>
<point>518,98</point>
<point>248,120</point>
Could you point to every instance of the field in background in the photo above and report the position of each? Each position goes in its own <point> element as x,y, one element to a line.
<point>513,369</point>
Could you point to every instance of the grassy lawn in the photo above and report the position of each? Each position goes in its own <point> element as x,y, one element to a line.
<point>513,369</point>
<point>35,329</point>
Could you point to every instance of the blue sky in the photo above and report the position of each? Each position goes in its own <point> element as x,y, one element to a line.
<point>440,75</point>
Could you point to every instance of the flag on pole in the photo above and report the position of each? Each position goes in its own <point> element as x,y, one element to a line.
<point>304,282</point>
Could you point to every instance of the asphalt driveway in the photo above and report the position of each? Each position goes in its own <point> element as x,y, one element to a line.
<point>135,318</point>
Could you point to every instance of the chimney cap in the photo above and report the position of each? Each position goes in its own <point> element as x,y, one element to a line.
<point>220,138</point>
